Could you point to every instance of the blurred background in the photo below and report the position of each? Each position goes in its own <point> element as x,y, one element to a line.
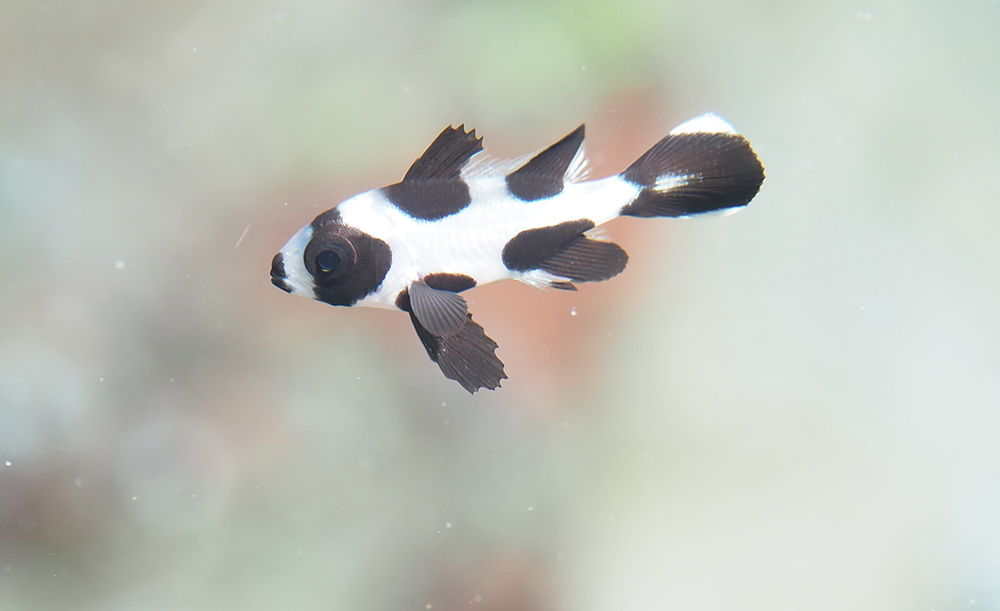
<point>796,407</point>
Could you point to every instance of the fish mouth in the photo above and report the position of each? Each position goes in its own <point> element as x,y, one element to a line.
<point>278,277</point>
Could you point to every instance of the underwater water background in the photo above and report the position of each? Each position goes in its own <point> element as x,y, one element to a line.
<point>796,407</point>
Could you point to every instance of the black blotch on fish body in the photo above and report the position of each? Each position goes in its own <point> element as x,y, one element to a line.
<point>429,200</point>
<point>278,277</point>
<point>715,171</point>
<point>433,187</point>
<point>455,283</point>
<point>374,257</point>
<point>544,175</point>
<point>330,216</point>
<point>532,247</point>
<point>403,300</point>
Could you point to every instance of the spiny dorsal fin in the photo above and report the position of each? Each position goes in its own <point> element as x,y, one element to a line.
<point>446,156</point>
<point>545,174</point>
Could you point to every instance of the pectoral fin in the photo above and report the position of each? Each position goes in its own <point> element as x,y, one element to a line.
<point>442,313</point>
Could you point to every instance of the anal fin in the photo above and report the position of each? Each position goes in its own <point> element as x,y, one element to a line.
<point>587,260</point>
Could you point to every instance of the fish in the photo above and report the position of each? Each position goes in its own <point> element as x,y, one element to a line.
<point>458,220</point>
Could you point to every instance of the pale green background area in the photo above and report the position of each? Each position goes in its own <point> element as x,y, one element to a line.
<point>796,407</point>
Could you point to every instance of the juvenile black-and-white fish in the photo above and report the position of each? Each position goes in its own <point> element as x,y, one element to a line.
<point>457,221</point>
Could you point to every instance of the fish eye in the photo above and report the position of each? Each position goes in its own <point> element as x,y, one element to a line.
<point>331,259</point>
<point>328,260</point>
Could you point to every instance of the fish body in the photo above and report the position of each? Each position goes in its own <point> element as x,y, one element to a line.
<point>457,221</point>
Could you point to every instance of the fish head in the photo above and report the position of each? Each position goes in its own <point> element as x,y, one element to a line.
<point>331,261</point>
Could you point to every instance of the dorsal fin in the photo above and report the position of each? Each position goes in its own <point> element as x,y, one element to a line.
<point>446,156</point>
<point>545,174</point>
<point>433,187</point>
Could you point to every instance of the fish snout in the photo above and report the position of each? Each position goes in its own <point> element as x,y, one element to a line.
<point>278,277</point>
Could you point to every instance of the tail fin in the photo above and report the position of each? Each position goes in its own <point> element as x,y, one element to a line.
<point>701,166</point>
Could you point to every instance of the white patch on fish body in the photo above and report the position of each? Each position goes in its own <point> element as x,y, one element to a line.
<point>297,276</point>
<point>471,242</point>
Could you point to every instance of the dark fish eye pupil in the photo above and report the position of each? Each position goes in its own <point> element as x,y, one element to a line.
<point>327,261</point>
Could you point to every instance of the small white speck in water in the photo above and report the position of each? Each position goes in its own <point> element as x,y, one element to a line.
<point>78,482</point>
<point>7,463</point>
<point>242,235</point>
<point>447,524</point>
<point>572,312</point>
<point>100,379</point>
<point>135,498</point>
<point>119,264</point>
